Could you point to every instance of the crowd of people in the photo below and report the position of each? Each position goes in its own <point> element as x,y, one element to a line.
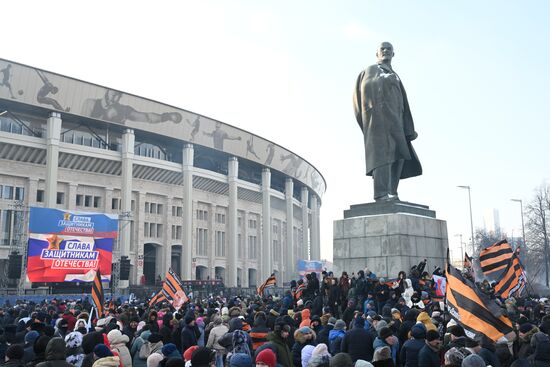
<point>356,320</point>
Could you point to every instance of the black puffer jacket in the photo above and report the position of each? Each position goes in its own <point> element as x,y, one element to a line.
<point>55,354</point>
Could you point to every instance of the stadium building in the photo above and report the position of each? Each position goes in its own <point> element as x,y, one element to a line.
<point>203,197</point>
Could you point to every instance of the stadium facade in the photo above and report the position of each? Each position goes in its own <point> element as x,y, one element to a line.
<point>203,197</point>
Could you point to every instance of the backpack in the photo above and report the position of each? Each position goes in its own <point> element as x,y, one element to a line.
<point>144,350</point>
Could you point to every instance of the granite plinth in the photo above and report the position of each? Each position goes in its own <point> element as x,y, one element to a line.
<point>388,207</point>
<point>388,242</point>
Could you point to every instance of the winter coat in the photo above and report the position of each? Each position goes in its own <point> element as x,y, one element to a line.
<point>306,321</point>
<point>335,338</point>
<point>284,357</point>
<point>118,343</point>
<point>410,351</point>
<point>357,342</point>
<point>55,354</point>
<point>113,361</point>
<point>300,342</point>
<point>215,334</point>
<point>188,337</point>
<point>378,343</point>
<point>14,363</point>
<point>424,318</point>
<point>134,350</point>
<point>322,336</point>
<point>525,349</point>
<point>428,357</point>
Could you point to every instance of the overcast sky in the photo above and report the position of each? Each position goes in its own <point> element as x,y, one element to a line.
<point>476,74</point>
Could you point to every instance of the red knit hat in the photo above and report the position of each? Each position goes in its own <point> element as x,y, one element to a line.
<point>189,352</point>
<point>268,357</point>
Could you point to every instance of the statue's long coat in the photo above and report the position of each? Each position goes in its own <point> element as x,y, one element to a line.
<point>382,111</point>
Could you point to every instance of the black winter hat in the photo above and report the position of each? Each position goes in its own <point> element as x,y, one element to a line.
<point>525,328</point>
<point>432,335</point>
<point>15,351</point>
<point>384,332</point>
<point>202,357</point>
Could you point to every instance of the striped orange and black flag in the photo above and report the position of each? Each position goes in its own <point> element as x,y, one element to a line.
<point>157,298</point>
<point>495,257</point>
<point>173,289</point>
<point>299,291</point>
<point>474,310</point>
<point>97,294</point>
<point>269,283</point>
<point>512,280</point>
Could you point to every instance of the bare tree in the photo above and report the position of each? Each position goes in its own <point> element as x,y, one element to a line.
<point>537,231</point>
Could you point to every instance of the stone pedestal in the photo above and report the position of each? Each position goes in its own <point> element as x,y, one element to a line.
<point>388,237</point>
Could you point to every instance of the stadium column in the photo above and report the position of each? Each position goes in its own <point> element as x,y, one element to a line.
<point>187,241</point>
<point>305,224</point>
<point>290,262</point>
<point>128,142</point>
<point>53,133</point>
<point>231,266</point>
<point>266,262</point>
<point>315,246</point>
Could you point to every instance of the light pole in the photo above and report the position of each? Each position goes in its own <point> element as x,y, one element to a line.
<point>471,219</point>
<point>522,223</point>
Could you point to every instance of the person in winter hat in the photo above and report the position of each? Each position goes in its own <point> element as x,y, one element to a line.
<point>104,357</point>
<point>473,360</point>
<point>55,354</point>
<point>307,351</point>
<point>341,360</point>
<point>14,356</point>
<point>266,358</point>
<point>170,351</point>
<point>75,353</point>
<point>320,356</point>
<point>335,337</point>
<point>202,357</point>
<point>240,360</point>
<point>28,354</point>
<point>118,343</point>
<point>408,356</point>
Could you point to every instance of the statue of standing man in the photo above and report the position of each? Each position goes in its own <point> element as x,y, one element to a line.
<point>382,111</point>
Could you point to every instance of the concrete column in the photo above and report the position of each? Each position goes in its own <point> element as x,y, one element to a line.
<point>232,250</point>
<point>71,196</point>
<point>128,140</point>
<point>290,261</point>
<point>53,134</point>
<point>30,194</point>
<point>266,253</point>
<point>187,241</point>
<point>305,224</point>
<point>107,200</point>
<point>246,261</point>
<point>139,222</point>
<point>168,241</point>
<point>315,246</point>
<point>318,220</point>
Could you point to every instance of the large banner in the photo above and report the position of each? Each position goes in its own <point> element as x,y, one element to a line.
<point>69,246</point>
<point>309,266</point>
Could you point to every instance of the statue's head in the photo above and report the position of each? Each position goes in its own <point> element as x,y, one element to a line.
<point>385,53</point>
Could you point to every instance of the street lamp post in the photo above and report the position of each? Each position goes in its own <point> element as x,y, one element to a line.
<point>522,223</point>
<point>471,219</point>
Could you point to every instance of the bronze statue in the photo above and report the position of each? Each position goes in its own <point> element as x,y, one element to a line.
<point>382,111</point>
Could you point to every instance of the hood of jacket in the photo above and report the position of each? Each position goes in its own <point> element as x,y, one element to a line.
<point>113,361</point>
<point>116,337</point>
<point>55,350</point>
<point>306,313</point>
<point>89,341</point>
<point>333,334</point>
